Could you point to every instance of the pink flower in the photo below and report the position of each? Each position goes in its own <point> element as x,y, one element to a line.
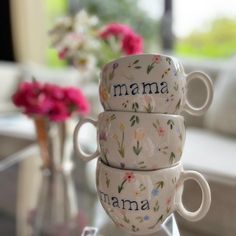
<point>116,30</point>
<point>132,44</point>
<point>120,225</point>
<point>30,97</point>
<point>53,91</point>
<point>50,100</point>
<point>38,105</point>
<point>59,112</point>
<point>168,201</point>
<point>129,176</point>
<point>156,59</point>
<point>63,53</point>
<point>161,131</point>
<point>25,90</point>
<point>147,99</point>
<point>75,36</point>
<point>122,212</point>
<point>76,100</point>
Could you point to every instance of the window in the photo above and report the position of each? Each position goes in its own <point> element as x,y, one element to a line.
<point>205,28</point>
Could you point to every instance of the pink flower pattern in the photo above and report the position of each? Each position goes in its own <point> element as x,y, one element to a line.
<point>161,131</point>
<point>129,176</point>
<point>168,201</point>
<point>156,59</point>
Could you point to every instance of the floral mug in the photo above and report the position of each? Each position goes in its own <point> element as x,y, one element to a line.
<point>137,141</point>
<point>150,83</point>
<point>140,201</point>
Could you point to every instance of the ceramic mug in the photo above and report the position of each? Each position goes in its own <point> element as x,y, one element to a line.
<point>140,201</point>
<point>137,141</point>
<point>150,83</point>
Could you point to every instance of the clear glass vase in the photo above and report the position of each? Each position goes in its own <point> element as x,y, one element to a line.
<point>56,213</point>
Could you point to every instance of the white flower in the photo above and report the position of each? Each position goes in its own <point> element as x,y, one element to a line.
<point>85,61</point>
<point>65,22</point>
<point>83,22</point>
<point>71,42</point>
<point>60,29</point>
<point>91,43</point>
<point>76,38</point>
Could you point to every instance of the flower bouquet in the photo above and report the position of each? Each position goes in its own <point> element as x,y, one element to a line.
<point>82,40</point>
<point>50,106</point>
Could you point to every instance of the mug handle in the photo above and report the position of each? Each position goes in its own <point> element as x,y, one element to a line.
<point>206,197</point>
<point>78,151</point>
<point>197,111</point>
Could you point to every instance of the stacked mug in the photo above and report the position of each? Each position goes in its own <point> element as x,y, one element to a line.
<point>140,137</point>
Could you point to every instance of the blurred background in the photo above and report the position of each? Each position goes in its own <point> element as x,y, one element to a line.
<point>196,30</point>
<point>201,34</point>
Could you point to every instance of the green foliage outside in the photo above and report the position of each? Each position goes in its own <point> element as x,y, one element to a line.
<point>216,42</point>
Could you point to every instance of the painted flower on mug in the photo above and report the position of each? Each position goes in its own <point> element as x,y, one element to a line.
<point>159,129</point>
<point>146,218</point>
<point>155,192</point>
<point>122,127</point>
<point>120,140</point>
<point>168,201</point>
<point>141,219</point>
<point>119,225</point>
<point>124,217</point>
<point>112,73</point>
<point>148,103</point>
<point>138,136</point>
<point>128,178</point>
<point>156,59</point>
<point>104,94</point>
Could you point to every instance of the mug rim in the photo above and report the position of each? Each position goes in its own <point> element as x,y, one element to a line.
<point>154,114</point>
<point>115,170</point>
<point>139,55</point>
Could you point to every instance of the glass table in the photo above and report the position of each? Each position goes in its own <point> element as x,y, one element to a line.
<point>18,193</point>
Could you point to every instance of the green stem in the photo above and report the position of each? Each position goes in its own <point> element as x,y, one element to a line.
<point>120,187</point>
